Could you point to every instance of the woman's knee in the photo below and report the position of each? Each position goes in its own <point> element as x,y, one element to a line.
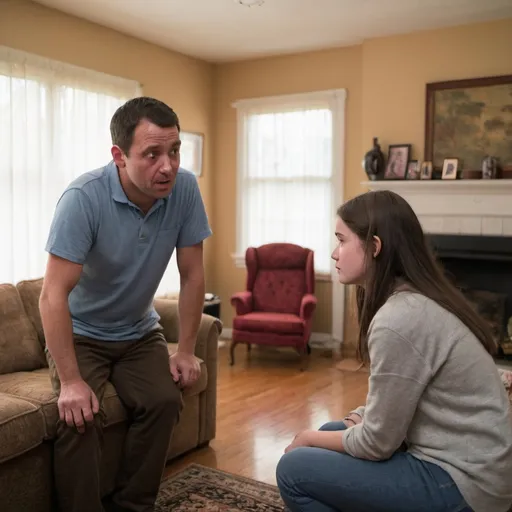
<point>292,465</point>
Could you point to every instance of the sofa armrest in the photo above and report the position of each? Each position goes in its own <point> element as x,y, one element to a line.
<point>307,306</point>
<point>167,309</point>
<point>206,350</point>
<point>242,302</point>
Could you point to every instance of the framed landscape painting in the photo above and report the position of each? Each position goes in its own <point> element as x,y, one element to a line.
<point>469,120</point>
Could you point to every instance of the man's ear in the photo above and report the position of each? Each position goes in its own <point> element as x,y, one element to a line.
<point>377,246</point>
<point>118,156</point>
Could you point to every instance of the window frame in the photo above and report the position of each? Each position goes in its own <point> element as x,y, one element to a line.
<point>333,99</point>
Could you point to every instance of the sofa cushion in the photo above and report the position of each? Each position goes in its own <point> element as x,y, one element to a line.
<point>21,426</point>
<point>19,344</point>
<point>36,388</point>
<point>30,291</point>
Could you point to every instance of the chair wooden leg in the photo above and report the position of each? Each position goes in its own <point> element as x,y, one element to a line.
<point>232,352</point>
<point>304,358</point>
<point>249,348</point>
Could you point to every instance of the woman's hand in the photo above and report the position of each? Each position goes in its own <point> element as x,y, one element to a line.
<point>329,440</point>
<point>301,439</point>
<point>352,419</point>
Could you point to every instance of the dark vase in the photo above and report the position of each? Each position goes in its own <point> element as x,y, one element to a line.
<point>373,162</point>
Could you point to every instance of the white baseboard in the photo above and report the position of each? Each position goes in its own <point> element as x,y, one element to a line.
<point>318,339</point>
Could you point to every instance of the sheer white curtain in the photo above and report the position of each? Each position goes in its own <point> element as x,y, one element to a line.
<point>286,178</point>
<point>54,125</point>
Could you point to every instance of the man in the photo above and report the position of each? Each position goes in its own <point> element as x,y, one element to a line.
<point>111,239</point>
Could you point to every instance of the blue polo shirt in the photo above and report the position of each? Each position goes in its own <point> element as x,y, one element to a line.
<point>124,253</point>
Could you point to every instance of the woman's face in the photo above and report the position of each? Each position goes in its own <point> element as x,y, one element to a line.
<point>349,255</point>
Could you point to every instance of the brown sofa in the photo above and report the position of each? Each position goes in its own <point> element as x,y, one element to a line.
<point>28,406</point>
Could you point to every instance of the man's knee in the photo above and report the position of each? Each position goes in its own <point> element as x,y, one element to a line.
<point>166,400</point>
<point>92,431</point>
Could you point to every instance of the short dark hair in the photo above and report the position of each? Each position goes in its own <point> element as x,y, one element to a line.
<point>127,117</point>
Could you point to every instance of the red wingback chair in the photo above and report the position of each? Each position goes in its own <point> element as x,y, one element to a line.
<point>278,304</point>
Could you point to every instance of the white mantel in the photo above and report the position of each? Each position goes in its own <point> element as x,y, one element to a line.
<point>471,207</point>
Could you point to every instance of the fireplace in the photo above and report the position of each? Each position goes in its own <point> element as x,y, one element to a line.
<point>481,266</point>
<point>469,223</point>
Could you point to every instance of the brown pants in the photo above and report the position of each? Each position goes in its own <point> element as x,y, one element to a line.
<point>139,371</point>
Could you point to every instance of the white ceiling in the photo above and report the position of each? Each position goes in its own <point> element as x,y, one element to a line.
<point>223,30</point>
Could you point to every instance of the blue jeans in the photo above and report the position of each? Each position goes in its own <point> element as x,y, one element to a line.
<point>318,480</point>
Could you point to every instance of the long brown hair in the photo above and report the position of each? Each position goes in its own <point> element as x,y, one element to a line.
<point>404,257</point>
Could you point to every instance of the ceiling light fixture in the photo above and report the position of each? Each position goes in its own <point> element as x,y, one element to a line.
<point>250,3</point>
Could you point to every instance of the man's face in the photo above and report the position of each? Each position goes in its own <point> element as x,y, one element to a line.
<point>153,160</point>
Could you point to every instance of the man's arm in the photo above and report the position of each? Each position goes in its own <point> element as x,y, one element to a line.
<point>191,299</point>
<point>77,402</point>
<point>70,240</point>
<point>60,278</point>
<point>189,257</point>
<point>184,365</point>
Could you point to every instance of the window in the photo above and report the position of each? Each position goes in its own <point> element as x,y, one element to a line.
<point>54,125</point>
<point>290,172</point>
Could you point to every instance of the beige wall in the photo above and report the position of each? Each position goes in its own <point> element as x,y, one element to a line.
<point>385,79</point>
<point>396,69</point>
<point>184,83</point>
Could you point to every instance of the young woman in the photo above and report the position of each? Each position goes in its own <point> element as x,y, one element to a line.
<point>435,434</point>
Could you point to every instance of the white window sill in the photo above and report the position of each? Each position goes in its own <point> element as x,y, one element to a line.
<point>239,260</point>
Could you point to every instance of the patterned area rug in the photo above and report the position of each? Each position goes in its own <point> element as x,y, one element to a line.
<point>211,490</point>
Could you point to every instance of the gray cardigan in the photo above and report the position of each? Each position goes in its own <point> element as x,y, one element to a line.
<point>433,384</point>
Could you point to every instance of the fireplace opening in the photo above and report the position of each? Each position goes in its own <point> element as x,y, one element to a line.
<point>481,267</point>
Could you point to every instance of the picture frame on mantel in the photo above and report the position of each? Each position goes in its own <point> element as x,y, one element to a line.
<point>469,120</point>
<point>398,160</point>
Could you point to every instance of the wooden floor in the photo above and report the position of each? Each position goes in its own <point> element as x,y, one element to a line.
<point>264,400</point>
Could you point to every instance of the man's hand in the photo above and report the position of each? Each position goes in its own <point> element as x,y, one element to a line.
<point>301,439</point>
<point>185,368</point>
<point>77,404</point>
